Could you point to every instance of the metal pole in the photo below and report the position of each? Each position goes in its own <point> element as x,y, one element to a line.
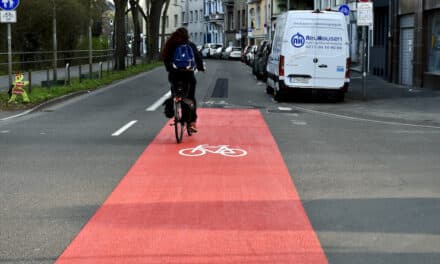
<point>80,73</point>
<point>364,62</point>
<point>54,29</point>
<point>90,42</point>
<point>30,81</point>
<point>67,79</point>
<point>10,55</point>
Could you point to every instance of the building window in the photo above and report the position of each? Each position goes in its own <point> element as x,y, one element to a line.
<point>183,17</point>
<point>238,20</point>
<point>243,20</point>
<point>252,18</point>
<point>231,21</point>
<point>191,16</point>
<point>196,16</point>
<point>176,20</point>
<point>258,17</point>
<point>434,44</point>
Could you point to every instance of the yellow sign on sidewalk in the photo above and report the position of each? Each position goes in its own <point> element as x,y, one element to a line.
<point>18,89</point>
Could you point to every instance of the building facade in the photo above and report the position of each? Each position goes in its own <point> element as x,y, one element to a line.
<point>235,22</point>
<point>196,21</point>
<point>415,38</point>
<point>214,21</point>
<point>403,43</point>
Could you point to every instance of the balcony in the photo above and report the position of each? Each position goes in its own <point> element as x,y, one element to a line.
<point>216,17</point>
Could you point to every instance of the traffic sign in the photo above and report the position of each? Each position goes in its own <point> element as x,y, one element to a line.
<point>8,17</point>
<point>9,5</point>
<point>365,14</point>
<point>344,9</point>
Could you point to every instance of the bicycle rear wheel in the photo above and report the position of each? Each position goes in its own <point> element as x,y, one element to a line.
<point>178,124</point>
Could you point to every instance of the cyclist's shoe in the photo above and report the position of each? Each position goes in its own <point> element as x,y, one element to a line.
<point>192,127</point>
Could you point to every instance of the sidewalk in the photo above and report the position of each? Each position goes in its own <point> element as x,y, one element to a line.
<point>392,101</point>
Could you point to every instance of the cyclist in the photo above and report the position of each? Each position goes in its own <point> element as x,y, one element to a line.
<point>179,37</point>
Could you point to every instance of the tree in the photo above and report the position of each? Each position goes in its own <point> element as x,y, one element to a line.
<point>164,21</point>
<point>120,34</point>
<point>153,28</point>
<point>134,7</point>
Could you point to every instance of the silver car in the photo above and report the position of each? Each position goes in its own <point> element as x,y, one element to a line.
<point>235,53</point>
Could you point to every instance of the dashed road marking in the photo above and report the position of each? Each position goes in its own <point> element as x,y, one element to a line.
<point>158,103</point>
<point>124,128</point>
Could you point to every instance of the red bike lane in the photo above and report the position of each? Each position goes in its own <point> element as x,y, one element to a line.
<point>211,208</point>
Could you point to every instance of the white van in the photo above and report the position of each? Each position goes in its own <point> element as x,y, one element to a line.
<point>310,50</point>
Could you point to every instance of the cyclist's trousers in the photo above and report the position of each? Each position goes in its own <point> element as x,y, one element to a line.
<point>188,78</point>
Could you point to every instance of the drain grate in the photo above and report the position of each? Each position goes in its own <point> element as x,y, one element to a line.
<point>221,88</point>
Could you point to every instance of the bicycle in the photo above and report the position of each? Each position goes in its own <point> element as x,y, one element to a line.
<point>181,102</point>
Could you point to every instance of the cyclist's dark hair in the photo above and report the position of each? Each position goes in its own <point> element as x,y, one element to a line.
<point>179,36</point>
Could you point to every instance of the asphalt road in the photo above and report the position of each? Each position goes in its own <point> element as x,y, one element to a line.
<point>371,189</point>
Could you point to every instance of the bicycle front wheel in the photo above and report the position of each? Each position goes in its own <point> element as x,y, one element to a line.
<point>178,124</point>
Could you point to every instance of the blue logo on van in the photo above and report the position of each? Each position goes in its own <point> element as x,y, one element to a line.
<point>298,40</point>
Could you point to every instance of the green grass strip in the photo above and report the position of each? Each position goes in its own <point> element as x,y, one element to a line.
<point>42,94</point>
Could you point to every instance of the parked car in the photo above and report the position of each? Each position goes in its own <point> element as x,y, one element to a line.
<point>235,53</point>
<point>226,52</point>
<point>260,61</point>
<point>204,52</point>
<point>218,53</point>
<point>244,53</point>
<point>251,54</point>
<point>209,49</point>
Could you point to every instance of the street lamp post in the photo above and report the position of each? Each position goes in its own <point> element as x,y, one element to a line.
<point>90,42</point>
<point>54,31</point>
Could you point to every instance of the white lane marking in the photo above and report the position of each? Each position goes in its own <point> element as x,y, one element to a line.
<point>124,128</point>
<point>298,123</point>
<point>4,132</point>
<point>159,102</point>
<point>365,119</point>
<point>284,108</point>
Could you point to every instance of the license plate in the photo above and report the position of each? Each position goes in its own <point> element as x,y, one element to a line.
<point>299,80</point>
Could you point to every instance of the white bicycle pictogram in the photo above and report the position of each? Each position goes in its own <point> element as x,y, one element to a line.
<point>224,150</point>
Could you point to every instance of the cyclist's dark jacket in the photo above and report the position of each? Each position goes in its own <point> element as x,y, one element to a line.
<point>175,75</point>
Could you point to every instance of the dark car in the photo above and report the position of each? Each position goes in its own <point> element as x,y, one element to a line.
<point>243,54</point>
<point>260,61</point>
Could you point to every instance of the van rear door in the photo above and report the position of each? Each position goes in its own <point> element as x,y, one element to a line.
<point>331,53</point>
<point>299,54</point>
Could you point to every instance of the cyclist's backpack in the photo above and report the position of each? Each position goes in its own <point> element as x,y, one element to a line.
<point>183,58</point>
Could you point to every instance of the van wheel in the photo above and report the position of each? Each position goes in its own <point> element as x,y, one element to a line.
<point>276,96</point>
<point>340,97</point>
<point>269,90</point>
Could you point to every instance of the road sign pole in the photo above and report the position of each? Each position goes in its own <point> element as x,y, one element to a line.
<point>364,61</point>
<point>9,54</point>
